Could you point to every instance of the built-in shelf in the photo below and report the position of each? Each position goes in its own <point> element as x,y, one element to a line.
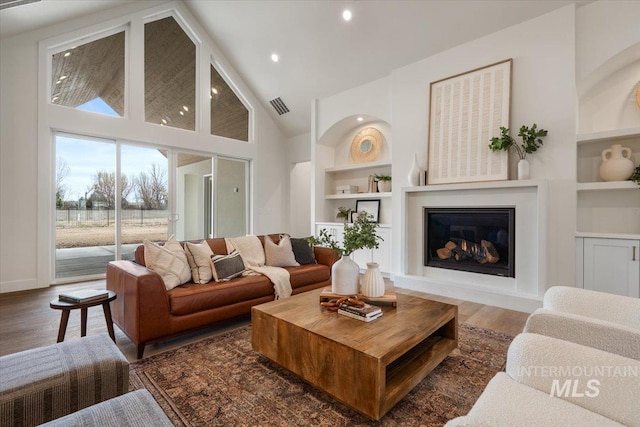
<point>608,135</point>
<point>476,185</point>
<point>601,186</point>
<point>630,236</point>
<point>357,196</point>
<point>358,166</point>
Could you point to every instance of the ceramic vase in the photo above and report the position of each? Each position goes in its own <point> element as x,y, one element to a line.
<point>414,172</point>
<point>616,163</point>
<point>523,169</point>
<point>384,186</point>
<point>372,284</point>
<point>344,276</point>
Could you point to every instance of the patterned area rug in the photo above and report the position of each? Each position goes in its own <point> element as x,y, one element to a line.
<point>221,381</point>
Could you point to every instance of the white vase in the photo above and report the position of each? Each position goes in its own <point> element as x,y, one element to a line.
<point>523,169</point>
<point>414,172</point>
<point>616,163</point>
<point>384,186</point>
<point>372,284</point>
<point>344,276</point>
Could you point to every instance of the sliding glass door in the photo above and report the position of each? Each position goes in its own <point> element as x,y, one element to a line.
<point>231,197</point>
<point>85,220</point>
<point>144,210</point>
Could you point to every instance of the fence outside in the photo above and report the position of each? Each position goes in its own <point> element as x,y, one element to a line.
<point>106,217</point>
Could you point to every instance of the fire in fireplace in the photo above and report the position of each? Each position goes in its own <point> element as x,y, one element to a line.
<point>479,240</point>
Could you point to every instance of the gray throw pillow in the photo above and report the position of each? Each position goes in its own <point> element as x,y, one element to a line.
<point>226,267</point>
<point>302,251</point>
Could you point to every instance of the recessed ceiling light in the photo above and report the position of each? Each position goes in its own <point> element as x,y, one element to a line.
<point>62,77</point>
<point>164,121</point>
<point>54,99</point>
<point>274,57</point>
<point>185,108</point>
<point>67,54</point>
<point>360,119</point>
<point>214,90</point>
<point>182,112</point>
<point>346,15</point>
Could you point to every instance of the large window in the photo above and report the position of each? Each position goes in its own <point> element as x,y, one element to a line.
<point>90,76</point>
<point>229,116</point>
<point>169,75</point>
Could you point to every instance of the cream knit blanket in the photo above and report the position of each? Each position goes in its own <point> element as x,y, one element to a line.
<point>252,254</point>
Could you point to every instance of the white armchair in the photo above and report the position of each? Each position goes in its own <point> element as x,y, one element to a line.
<point>604,321</point>
<point>546,383</point>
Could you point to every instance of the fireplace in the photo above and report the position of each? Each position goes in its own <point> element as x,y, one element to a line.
<point>479,240</point>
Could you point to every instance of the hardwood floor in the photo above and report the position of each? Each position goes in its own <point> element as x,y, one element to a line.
<point>26,321</point>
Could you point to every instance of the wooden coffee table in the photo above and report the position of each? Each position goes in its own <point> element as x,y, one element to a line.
<point>367,366</point>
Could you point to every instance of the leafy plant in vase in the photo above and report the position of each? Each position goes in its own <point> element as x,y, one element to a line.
<point>531,142</point>
<point>384,183</point>
<point>359,235</point>
<point>343,214</point>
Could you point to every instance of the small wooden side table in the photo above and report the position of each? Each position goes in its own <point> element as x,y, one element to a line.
<point>66,308</point>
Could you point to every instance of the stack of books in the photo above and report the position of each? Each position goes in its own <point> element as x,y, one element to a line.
<point>87,295</point>
<point>366,313</point>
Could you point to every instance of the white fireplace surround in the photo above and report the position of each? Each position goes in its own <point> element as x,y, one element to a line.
<point>525,291</point>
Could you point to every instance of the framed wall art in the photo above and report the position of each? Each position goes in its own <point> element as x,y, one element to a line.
<point>466,110</point>
<point>371,207</point>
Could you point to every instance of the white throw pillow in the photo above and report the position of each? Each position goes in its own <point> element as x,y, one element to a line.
<point>280,255</point>
<point>199,257</point>
<point>169,261</point>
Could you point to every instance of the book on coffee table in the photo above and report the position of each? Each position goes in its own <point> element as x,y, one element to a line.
<point>359,317</point>
<point>366,311</point>
<point>85,295</point>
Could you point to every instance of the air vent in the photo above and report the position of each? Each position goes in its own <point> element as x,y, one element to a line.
<point>6,4</point>
<point>279,106</point>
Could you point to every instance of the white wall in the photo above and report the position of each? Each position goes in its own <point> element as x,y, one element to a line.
<point>608,65</point>
<point>25,166</point>
<point>543,92</point>
<point>298,153</point>
<point>300,200</point>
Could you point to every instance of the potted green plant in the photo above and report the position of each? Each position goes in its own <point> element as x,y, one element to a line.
<point>343,213</point>
<point>384,183</point>
<point>531,142</point>
<point>359,235</point>
<point>635,177</point>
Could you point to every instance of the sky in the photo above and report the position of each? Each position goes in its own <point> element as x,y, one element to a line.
<point>86,156</point>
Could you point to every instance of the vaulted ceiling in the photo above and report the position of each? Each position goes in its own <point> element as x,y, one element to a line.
<point>320,53</point>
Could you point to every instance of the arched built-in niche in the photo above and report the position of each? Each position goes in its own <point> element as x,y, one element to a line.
<point>606,97</point>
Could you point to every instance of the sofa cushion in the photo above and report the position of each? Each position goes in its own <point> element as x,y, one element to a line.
<point>199,257</point>
<point>227,267</point>
<point>169,261</point>
<point>303,251</point>
<point>191,298</point>
<point>280,254</point>
<point>308,274</point>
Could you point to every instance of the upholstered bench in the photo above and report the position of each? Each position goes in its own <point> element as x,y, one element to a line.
<point>46,383</point>
<point>137,408</point>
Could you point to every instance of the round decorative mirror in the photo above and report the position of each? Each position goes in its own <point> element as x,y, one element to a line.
<point>367,145</point>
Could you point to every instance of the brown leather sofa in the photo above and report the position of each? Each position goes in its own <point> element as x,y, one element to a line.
<point>147,313</point>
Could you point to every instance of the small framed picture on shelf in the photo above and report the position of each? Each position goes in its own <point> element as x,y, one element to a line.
<point>354,216</point>
<point>371,207</point>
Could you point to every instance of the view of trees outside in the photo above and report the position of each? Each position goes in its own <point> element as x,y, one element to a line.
<point>86,193</point>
